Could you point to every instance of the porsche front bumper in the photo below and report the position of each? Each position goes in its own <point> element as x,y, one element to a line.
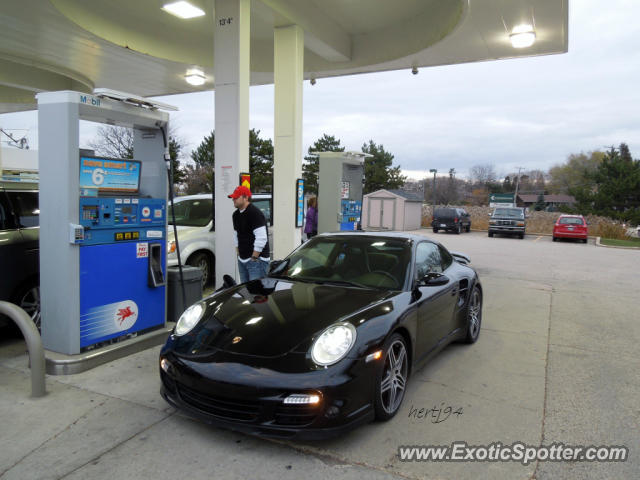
<point>251,399</point>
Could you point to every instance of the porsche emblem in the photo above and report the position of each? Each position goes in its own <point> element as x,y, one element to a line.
<point>236,340</point>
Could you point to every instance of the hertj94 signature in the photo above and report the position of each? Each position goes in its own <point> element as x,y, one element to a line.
<point>436,414</point>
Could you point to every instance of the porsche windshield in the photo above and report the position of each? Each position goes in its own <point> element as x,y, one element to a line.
<point>508,212</point>
<point>360,261</point>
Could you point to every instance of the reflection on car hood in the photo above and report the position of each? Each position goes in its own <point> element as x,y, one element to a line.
<point>270,317</point>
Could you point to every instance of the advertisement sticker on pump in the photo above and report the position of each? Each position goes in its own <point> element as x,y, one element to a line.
<point>142,250</point>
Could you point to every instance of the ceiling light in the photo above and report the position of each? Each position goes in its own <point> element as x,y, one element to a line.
<point>195,76</point>
<point>183,9</point>
<point>522,36</point>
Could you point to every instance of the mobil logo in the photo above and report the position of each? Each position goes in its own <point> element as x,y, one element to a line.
<point>126,314</point>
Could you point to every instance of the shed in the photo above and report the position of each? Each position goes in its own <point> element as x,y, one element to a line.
<point>391,210</point>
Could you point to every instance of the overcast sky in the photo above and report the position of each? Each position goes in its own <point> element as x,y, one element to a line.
<point>529,113</point>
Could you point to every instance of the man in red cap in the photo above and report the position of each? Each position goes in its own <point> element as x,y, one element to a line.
<point>250,232</point>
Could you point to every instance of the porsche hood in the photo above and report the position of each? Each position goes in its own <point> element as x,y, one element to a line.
<point>270,317</point>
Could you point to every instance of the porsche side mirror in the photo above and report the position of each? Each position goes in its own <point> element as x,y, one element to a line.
<point>433,279</point>
<point>277,266</point>
<point>227,282</point>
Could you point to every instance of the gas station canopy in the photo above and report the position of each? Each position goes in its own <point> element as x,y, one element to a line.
<point>138,47</point>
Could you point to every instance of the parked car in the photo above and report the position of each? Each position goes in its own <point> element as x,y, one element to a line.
<point>327,341</point>
<point>451,219</point>
<point>508,220</point>
<point>196,232</point>
<point>19,255</point>
<point>570,226</point>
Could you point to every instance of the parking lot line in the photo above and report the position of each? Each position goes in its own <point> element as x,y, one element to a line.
<point>538,238</point>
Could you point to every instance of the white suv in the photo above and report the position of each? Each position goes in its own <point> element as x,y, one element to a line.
<point>196,236</point>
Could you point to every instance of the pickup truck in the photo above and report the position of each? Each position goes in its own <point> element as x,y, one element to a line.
<point>508,220</point>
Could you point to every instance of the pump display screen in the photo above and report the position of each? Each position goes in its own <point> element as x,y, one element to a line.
<point>108,176</point>
<point>89,212</point>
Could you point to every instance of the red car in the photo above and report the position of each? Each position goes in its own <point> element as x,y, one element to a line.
<point>570,226</point>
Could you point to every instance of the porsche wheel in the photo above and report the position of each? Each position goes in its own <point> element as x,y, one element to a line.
<point>392,378</point>
<point>474,316</point>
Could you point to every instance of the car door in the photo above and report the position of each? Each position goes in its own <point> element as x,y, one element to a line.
<point>434,303</point>
<point>25,206</point>
<point>12,246</point>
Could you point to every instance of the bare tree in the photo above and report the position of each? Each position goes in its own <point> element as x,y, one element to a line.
<point>483,174</point>
<point>538,179</point>
<point>115,142</point>
<point>198,179</point>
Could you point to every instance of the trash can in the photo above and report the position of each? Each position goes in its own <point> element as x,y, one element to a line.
<point>192,289</point>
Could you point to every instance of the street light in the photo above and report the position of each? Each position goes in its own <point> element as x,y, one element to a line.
<point>434,171</point>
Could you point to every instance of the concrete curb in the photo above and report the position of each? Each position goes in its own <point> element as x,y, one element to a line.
<point>61,364</point>
<point>598,244</point>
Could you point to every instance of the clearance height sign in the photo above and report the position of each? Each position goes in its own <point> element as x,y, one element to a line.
<point>105,175</point>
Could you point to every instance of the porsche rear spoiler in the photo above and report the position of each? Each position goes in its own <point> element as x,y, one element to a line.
<point>461,258</point>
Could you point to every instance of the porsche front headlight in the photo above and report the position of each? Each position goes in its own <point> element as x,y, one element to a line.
<point>189,319</point>
<point>333,344</point>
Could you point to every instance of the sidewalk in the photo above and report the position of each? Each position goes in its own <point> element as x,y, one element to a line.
<point>112,423</point>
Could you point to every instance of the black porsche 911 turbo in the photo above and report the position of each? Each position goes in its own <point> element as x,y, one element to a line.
<point>327,341</point>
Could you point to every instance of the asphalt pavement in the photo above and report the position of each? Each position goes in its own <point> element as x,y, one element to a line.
<point>556,362</point>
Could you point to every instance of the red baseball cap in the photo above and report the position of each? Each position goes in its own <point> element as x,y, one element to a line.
<point>240,191</point>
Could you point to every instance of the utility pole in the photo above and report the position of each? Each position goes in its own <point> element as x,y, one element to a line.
<point>515,196</point>
<point>21,143</point>
<point>451,194</point>
<point>434,171</point>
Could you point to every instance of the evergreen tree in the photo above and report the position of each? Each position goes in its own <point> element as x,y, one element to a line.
<point>617,187</point>
<point>200,178</point>
<point>378,172</point>
<point>260,162</point>
<point>507,187</point>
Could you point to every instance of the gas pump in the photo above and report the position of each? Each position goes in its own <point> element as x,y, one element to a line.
<point>122,252</point>
<point>340,181</point>
<point>103,223</point>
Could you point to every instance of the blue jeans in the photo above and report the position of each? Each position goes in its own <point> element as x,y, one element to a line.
<point>252,270</point>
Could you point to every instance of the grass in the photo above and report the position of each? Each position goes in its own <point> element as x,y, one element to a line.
<point>631,242</point>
